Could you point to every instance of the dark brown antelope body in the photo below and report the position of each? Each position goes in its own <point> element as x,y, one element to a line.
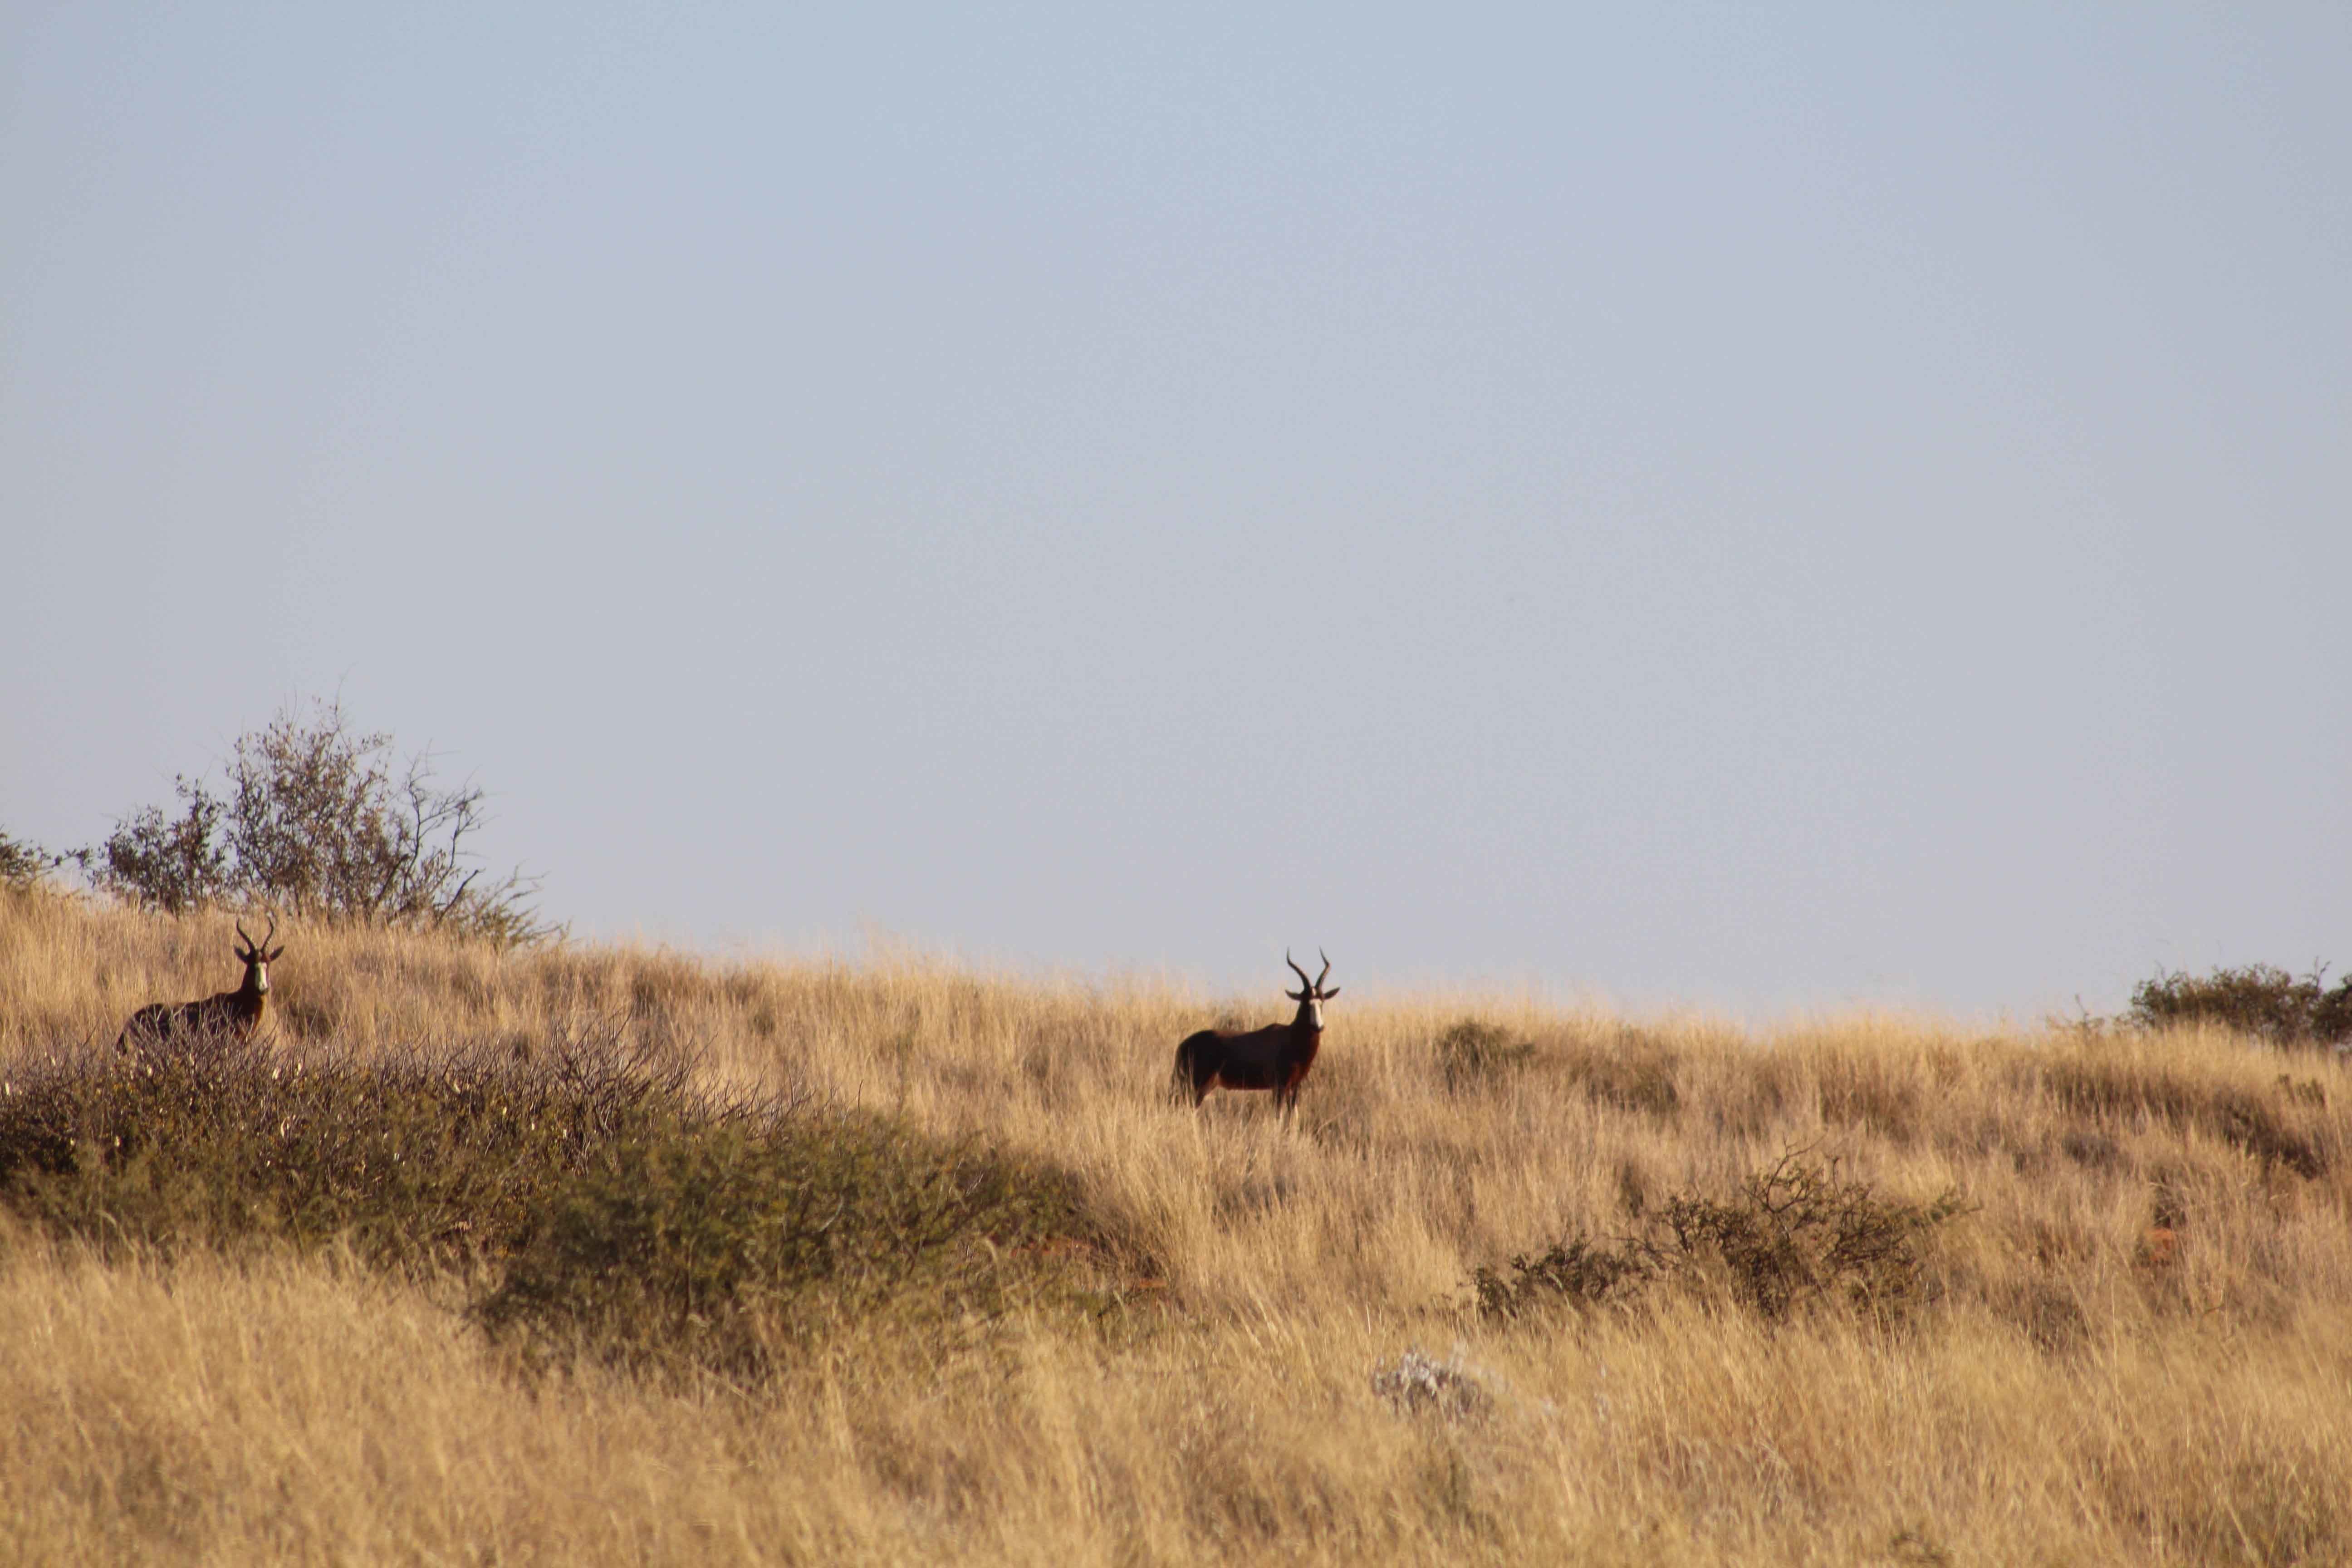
<point>1276,1057</point>
<point>226,1015</point>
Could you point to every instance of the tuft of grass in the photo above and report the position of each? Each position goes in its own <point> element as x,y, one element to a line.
<point>2292,1133</point>
<point>1628,1068</point>
<point>1472,1053</point>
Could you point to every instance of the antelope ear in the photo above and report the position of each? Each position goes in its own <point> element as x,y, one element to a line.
<point>1328,994</point>
<point>1296,995</point>
<point>279,952</point>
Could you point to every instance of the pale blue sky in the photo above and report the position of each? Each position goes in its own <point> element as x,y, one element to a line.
<point>1757,511</point>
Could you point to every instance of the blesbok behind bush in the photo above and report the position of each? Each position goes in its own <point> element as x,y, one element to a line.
<point>1276,1057</point>
<point>237,1014</point>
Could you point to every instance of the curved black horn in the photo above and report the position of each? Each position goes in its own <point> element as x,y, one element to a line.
<point>243,935</point>
<point>1302,973</point>
<point>1326,968</point>
<point>273,931</point>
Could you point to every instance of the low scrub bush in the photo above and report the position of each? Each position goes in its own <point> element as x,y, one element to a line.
<point>415,1159</point>
<point>2259,1000</point>
<point>1800,1231</point>
<point>1803,1229</point>
<point>589,1196</point>
<point>720,1252</point>
<point>1577,1271</point>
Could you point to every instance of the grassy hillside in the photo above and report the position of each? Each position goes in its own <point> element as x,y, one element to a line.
<point>905,1263</point>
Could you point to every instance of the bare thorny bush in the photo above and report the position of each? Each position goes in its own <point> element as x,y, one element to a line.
<point>319,818</point>
<point>1800,1230</point>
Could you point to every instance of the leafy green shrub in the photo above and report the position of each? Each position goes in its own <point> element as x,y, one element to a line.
<point>2260,1000</point>
<point>1795,1232</point>
<point>316,817</point>
<point>1473,1052</point>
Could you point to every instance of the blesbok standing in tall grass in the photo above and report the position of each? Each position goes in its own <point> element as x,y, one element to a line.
<point>237,1014</point>
<point>1276,1057</point>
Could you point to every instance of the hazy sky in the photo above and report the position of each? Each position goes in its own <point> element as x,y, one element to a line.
<point>1851,505</point>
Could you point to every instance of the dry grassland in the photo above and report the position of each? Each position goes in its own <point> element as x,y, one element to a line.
<point>2134,1346</point>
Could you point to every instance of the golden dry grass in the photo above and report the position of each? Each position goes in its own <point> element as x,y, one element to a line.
<point>2140,1350</point>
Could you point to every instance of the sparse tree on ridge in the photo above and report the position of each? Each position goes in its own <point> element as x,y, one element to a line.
<point>316,817</point>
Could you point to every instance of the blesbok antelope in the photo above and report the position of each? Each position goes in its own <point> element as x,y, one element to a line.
<point>1275,1058</point>
<point>239,1013</point>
